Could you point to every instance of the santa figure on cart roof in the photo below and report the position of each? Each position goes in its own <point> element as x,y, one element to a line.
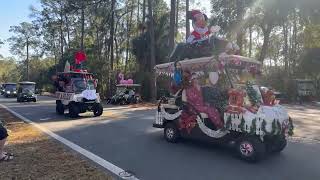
<point>202,41</point>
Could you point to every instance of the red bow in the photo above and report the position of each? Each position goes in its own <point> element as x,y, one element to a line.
<point>80,57</point>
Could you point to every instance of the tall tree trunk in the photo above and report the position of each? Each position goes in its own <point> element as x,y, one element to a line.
<point>27,60</point>
<point>111,84</point>
<point>250,41</point>
<point>144,11</point>
<point>172,24</point>
<point>187,20</point>
<point>266,38</point>
<point>68,30</point>
<point>82,27</point>
<point>61,38</point>
<point>138,12</point>
<point>152,51</point>
<point>129,23</point>
<point>177,17</point>
<point>285,47</point>
<point>240,19</point>
<point>294,42</point>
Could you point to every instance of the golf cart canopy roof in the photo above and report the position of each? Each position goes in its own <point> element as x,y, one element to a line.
<point>27,82</point>
<point>199,64</point>
<point>128,85</point>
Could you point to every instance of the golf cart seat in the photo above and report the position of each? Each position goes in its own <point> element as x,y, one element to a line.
<point>184,100</point>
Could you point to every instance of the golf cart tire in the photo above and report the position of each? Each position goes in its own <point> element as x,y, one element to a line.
<point>123,102</point>
<point>251,149</point>
<point>278,145</point>
<point>97,110</point>
<point>74,110</point>
<point>171,132</point>
<point>59,108</point>
<point>34,100</point>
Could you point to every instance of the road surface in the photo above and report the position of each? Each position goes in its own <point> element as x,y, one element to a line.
<point>125,138</point>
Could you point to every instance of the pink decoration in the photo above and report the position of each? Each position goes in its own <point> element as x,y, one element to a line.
<point>130,81</point>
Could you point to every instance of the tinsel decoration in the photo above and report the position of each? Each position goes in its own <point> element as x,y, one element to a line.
<point>252,94</point>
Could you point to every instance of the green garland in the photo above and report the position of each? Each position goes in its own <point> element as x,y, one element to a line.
<point>291,127</point>
<point>279,127</point>
<point>241,125</point>
<point>252,94</point>
<point>274,127</point>
<point>228,123</point>
<point>253,127</point>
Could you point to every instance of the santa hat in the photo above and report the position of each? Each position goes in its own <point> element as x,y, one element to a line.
<point>194,13</point>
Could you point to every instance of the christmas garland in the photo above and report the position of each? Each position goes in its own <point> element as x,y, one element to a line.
<point>252,94</point>
<point>241,125</point>
<point>228,122</point>
<point>253,127</point>
<point>291,127</point>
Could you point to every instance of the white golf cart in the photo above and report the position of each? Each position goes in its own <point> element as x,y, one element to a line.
<point>76,91</point>
<point>254,124</point>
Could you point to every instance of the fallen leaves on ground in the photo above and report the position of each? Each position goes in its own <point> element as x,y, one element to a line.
<point>37,156</point>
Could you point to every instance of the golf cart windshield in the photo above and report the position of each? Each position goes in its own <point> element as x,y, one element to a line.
<point>10,87</point>
<point>80,84</point>
<point>27,88</point>
<point>305,85</point>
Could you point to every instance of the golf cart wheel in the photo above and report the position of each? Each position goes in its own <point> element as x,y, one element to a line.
<point>171,133</point>
<point>74,110</point>
<point>59,108</point>
<point>123,102</point>
<point>251,149</point>
<point>34,100</point>
<point>97,109</point>
<point>277,145</point>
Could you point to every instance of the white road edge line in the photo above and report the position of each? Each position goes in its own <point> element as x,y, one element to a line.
<point>107,165</point>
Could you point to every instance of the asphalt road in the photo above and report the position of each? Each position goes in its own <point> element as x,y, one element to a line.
<point>126,138</point>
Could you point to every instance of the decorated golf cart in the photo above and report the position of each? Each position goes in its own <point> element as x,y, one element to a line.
<point>218,99</point>
<point>126,94</point>
<point>76,90</point>
<point>26,92</point>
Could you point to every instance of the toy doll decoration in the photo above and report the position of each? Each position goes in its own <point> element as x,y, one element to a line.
<point>200,28</point>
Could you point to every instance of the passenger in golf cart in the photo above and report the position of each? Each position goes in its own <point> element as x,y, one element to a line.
<point>219,101</point>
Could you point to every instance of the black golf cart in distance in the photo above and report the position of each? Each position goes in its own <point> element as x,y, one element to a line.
<point>251,134</point>
<point>26,92</point>
<point>126,94</point>
<point>77,93</point>
<point>9,90</point>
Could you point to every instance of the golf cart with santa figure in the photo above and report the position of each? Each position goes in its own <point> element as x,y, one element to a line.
<point>251,121</point>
